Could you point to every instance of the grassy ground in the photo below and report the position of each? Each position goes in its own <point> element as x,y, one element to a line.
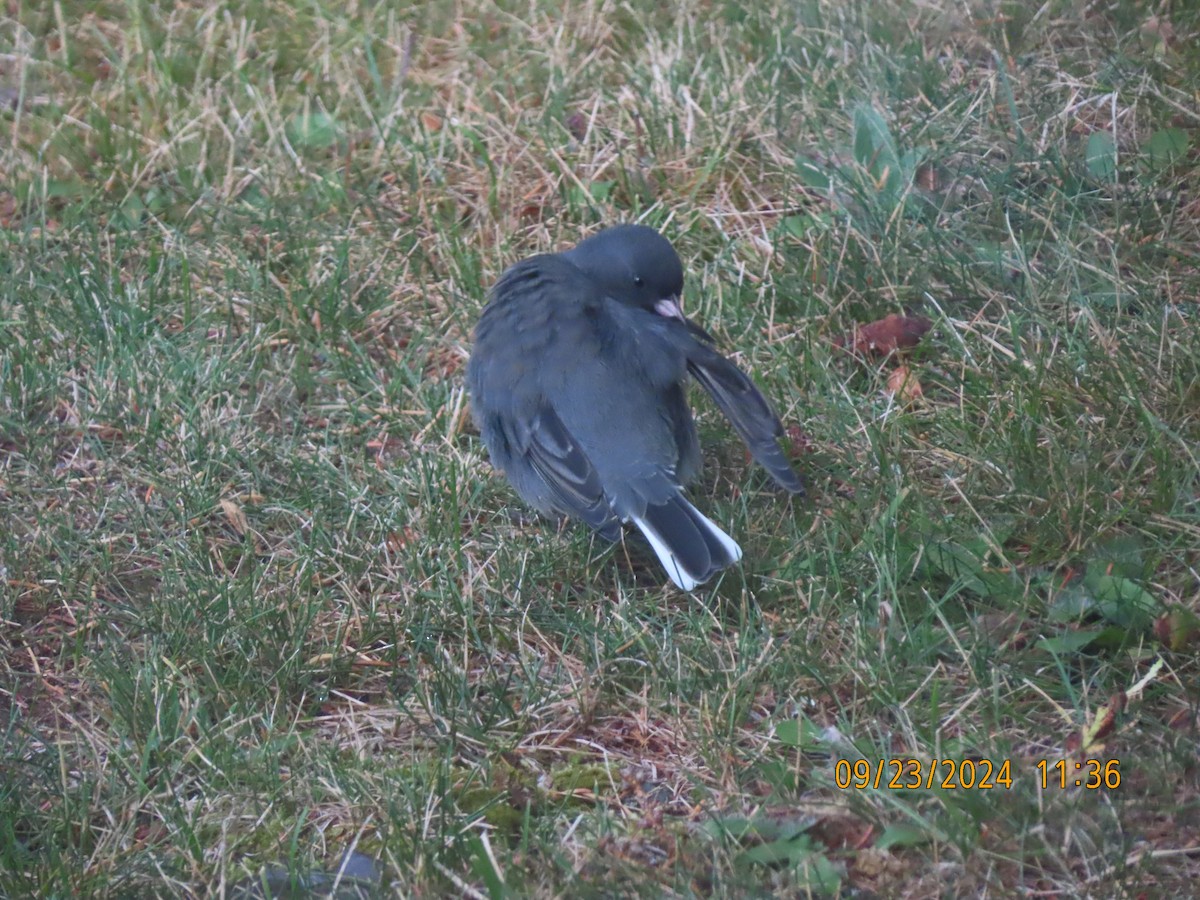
<point>263,602</point>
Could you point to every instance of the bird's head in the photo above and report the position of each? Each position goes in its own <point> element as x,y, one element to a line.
<point>635,265</point>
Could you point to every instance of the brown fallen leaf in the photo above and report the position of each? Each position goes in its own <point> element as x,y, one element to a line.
<point>1178,628</point>
<point>1157,30</point>
<point>904,385</point>
<point>235,516</point>
<point>1089,741</point>
<point>798,441</point>
<point>1182,719</point>
<point>106,432</point>
<point>397,541</point>
<point>577,125</point>
<point>8,209</point>
<point>886,335</point>
<point>432,122</point>
<point>927,178</point>
<point>386,449</point>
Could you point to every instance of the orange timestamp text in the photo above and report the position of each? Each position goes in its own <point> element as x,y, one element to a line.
<point>899,773</point>
<point>1089,774</point>
<point>910,774</point>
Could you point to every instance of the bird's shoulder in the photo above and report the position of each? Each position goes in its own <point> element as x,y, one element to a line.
<point>545,298</point>
<point>547,279</point>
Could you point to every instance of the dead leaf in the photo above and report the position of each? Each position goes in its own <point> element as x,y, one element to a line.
<point>431,121</point>
<point>8,209</point>
<point>1182,719</point>
<point>887,335</point>
<point>386,450</point>
<point>577,125</point>
<point>1178,628</point>
<point>106,432</point>
<point>235,516</point>
<point>904,385</point>
<point>1089,741</point>
<point>798,440</point>
<point>1157,29</point>
<point>927,178</point>
<point>397,541</point>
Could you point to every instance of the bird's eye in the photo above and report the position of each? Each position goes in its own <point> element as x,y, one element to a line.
<point>639,281</point>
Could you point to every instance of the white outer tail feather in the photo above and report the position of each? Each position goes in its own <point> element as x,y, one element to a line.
<point>685,581</point>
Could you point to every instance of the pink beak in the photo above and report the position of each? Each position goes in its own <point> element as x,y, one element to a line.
<point>669,308</point>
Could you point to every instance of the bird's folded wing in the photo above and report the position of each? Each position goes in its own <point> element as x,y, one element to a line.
<point>558,459</point>
<point>747,410</point>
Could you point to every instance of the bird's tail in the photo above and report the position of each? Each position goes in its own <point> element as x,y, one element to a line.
<point>689,545</point>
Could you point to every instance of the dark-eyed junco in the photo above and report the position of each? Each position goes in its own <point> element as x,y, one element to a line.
<point>577,383</point>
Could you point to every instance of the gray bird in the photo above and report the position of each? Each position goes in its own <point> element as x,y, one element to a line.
<point>577,383</point>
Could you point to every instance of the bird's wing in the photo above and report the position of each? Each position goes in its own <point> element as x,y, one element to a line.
<point>557,457</point>
<point>746,409</point>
